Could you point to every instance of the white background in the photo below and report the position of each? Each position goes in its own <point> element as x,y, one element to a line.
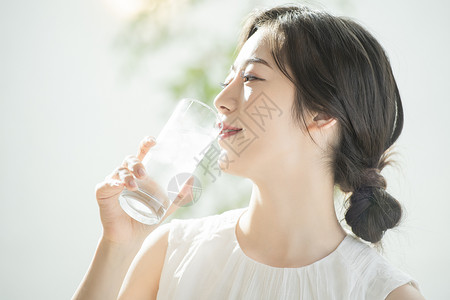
<point>68,117</point>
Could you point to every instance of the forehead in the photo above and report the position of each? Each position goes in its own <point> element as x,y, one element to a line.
<point>255,46</point>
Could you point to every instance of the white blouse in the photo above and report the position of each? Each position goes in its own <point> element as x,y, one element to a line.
<point>204,261</point>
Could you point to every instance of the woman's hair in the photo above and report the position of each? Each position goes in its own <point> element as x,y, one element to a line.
<point>338,68</point>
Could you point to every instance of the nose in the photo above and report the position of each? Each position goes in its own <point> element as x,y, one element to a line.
<point>227,100</point>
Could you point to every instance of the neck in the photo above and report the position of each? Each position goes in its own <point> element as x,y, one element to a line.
<point>293,213</point>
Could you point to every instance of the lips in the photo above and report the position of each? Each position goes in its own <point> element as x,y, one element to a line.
<point>228,130</point>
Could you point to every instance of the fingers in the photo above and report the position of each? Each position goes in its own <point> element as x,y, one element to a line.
<point>127,178</point>
<point>133,164</point>
<point>144,146</point>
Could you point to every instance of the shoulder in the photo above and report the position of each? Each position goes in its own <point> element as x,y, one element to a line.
<point>142,278</point>
<point>375,275</point>
<point>169,241</point>
<point>405,292</point>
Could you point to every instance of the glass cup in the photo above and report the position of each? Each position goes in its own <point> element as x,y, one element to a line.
<point>180,146</point>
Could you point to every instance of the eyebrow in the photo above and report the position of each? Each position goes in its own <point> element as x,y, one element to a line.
<point>253,60</point>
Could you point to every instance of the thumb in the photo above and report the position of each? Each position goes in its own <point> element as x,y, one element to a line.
<point>108,188</point>
<point>185,196</point>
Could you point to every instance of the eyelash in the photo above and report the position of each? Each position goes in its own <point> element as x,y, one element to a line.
<point>223,84</point>
<point>243,76</point>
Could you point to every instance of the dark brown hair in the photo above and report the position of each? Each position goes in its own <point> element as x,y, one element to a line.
<point>338,68</point>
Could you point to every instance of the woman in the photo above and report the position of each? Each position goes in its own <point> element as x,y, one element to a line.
<point>315,106</point>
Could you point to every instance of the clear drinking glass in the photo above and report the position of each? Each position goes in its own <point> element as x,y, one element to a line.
<point>181,144</point>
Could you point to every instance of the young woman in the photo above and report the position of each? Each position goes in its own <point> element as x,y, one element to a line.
<point>315,106</point>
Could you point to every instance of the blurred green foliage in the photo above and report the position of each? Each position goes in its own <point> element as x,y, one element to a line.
<point>197,79</point>
<point>195,82</point>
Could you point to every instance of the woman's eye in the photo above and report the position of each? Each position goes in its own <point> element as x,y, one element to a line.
<point>244,76</point>
<point>223,84</point>
<point>248,77</point>
<point>227,81</point>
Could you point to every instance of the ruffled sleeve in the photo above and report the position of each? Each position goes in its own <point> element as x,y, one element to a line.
<point>387,278</point>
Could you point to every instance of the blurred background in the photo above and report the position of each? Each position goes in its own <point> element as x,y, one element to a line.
<point>82,82</point>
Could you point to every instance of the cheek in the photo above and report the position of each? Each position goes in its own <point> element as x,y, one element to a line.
<point>277,139</point>
<point>253,154</point>
<point>248,92</point>
<point>268,143</point>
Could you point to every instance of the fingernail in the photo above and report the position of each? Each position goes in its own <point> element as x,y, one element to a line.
<point>132,183</point>
<point>141,172</point>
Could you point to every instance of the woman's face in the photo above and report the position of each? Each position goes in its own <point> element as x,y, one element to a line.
<point>257,97</point>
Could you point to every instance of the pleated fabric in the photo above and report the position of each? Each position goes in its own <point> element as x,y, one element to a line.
<point>204,261</point>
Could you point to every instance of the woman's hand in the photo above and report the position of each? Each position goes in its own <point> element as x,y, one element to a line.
<point>119,227</point>
<point>122,235</point>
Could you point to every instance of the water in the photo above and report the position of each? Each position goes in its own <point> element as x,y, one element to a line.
<point>176,151</point>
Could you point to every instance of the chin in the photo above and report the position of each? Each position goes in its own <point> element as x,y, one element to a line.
<point>236,165</point>
<point>231,169</point>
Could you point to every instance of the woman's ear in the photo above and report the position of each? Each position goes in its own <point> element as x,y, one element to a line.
<point>322,127</point>
<point>322,121</point>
